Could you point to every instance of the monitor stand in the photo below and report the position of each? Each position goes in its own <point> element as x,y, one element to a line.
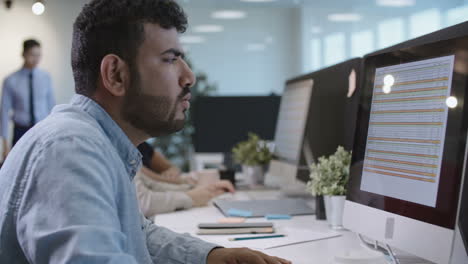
<point>375,253</point>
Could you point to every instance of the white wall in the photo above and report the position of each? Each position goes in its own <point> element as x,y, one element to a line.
<point>380,27</point>
<point>293,48</point>
<point>227,62</point>
<point>53,29</point>
<point>224,59</point>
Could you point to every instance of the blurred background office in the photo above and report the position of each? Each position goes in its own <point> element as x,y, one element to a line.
<point>244,47</point>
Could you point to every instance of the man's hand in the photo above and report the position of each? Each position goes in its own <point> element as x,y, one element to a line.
<point>241,256</point>
<point>202,194</point>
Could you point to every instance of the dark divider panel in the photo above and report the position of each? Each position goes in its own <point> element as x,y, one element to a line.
<point>222,121</point>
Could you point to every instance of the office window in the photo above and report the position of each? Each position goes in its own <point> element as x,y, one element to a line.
<point>334,48</point>
<point>457,15</point>
<point>316,54</point>
<point>390,32</point>
<point>424,22</point>
<point>362,42</point>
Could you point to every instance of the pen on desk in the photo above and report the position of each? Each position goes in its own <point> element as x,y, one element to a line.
<point>255,237</point>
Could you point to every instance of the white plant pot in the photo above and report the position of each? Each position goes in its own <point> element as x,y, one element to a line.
<point>334,206</point>
<point>253,175</point>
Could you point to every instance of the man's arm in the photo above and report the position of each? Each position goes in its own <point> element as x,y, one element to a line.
<point>197,251</point>
<point>5,117</point>
<point>68,213</point>
<point>181,248</point>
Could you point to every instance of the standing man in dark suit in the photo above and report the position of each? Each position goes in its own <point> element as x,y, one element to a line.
<point>27,95</point>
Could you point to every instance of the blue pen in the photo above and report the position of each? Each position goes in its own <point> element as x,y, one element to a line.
<point>255,237</point>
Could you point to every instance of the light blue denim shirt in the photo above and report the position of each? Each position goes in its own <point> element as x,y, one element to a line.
<point>67,196</point>
<point>15,98</point>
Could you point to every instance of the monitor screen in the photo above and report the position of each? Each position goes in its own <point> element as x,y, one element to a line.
<point>406,132</point>
<point>222,121</point>
<point>410,143</point>
<point>292,119</point>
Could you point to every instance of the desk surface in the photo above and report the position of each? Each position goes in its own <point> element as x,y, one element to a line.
<point>321,251</point>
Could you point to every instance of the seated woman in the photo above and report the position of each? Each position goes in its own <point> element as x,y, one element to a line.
<point>162,188</point>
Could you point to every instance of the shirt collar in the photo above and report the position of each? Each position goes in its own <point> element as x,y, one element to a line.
<point>27,71</point>
<point>129,154</point>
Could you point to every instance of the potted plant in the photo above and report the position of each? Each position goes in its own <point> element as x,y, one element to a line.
<point>253,154</point>
<point>329,177</point>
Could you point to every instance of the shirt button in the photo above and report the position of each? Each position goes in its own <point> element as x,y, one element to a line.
<point>132,162</point>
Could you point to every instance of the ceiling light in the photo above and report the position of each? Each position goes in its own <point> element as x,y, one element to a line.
<point>38,8</point>
<point>389,80</point>
<point>228,14</point>
<point>191,39</point>
<point>344,17</point>
<point>451,102</point>
<point>396,3</point>
<point>255,47</point>
<point>208,28</point>
<point>387,89</point>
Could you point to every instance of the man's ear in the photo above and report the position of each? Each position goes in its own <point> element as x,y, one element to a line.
<point>114,74</point>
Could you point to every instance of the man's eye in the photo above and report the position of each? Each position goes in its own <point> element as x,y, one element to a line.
<point>170,60</point>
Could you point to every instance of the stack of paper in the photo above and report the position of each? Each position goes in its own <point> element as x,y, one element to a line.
<point>235,228</point>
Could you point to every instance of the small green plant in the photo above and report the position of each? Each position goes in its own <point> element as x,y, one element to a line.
<point>254,151</point>
<point>330,175</point>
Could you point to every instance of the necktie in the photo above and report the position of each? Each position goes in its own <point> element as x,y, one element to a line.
<point>31,100</point>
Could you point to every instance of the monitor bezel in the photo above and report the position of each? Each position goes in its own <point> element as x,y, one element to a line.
<point>444,214</point>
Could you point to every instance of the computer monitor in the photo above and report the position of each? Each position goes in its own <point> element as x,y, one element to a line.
<point>222,121</point>
<point>317,114</point>
<point>332,114</point>
<point>289,134</point>
<point>409,149</point>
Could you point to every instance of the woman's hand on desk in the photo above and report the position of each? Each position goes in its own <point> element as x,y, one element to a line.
<point>202,194</point>
<point>241,255</point>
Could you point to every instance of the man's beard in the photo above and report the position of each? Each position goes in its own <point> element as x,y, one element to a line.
<point>154,115</point>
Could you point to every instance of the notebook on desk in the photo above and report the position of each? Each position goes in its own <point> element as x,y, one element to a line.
<point>260,208</point>
<point>235,228</point>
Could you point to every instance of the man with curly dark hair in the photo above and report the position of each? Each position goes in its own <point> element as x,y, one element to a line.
<point>66,194</point>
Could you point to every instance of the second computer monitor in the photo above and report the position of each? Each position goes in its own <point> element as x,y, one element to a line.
<point>317,114</point>
<point>332,115</point>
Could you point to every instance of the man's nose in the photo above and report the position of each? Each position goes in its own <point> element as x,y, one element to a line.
<point>188,78</point>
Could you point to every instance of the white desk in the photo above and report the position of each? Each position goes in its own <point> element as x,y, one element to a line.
<point>321,252</point>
